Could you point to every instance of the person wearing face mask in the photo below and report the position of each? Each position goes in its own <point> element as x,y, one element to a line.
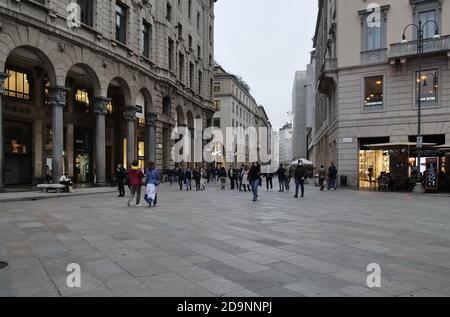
<point>300,176</point>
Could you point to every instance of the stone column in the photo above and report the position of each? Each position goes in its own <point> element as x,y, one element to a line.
<point>3,77</point>
<point>130,118</point>
<point>100,140</point>
<point>57,99</point>
<point>150,121</point>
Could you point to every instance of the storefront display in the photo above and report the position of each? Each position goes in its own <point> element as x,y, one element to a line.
<point>371,165</point>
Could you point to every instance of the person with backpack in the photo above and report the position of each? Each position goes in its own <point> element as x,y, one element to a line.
<point>152,181</point>
<point>332,175</point>
<point>135,176</point>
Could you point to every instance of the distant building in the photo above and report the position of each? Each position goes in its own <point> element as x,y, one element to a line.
<point>299,139</point>
<point>285,135</point>
<point>236,108</point>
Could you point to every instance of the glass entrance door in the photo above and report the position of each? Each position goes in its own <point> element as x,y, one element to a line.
<point>83,172</point>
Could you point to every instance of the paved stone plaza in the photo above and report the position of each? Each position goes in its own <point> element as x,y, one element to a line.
<point>221,244</point>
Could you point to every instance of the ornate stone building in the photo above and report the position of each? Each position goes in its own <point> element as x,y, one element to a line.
<point>84,97</point>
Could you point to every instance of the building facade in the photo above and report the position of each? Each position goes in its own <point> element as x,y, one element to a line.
<point>368,84</point>
<point>81,95</point>
<point>299,110</point>
<point>236,108</point>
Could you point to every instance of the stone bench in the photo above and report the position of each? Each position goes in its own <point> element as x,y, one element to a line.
<point>56,187</point>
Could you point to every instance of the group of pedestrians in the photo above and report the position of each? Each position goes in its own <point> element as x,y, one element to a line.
<point>136,178</point>
<point>185,176</point>
<point>332,176</point>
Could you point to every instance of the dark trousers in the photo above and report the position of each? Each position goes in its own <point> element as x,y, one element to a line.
<point>321,183</point>
<point>232,183</point>
<point>197,184</point>
<point>180,182</point>
<point>299,183</point>
<point>136,192</point>
<point>121,188</point>
<point>287,181</point>
<point>67,184</point>
<point>269,181</point>
<point>281,181</point>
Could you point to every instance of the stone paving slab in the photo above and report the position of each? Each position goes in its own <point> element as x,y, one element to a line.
<point>222,244</point>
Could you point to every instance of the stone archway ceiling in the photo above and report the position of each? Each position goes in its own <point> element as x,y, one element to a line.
<point>24,57</point>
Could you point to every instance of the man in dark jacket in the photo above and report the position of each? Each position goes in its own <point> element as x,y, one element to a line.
<point>280,173</point>
<point>254,177</point>
<point>300,176</point>
<point>332,175</point>
<point>120,175</point>
<point>231,177</point>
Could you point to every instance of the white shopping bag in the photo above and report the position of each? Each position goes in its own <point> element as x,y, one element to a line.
<point>150,191</point>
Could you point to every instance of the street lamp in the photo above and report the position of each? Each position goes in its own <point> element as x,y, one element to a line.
<point>420,50</point>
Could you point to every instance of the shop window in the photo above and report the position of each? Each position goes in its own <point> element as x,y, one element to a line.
<point>109,108</point>
<point>17,85</point>
<point>82,100</point>
<point>141,154</point>
<point>427,80</point>
<point>46,94</point>
<point>371,165</point>
<point>373,91</point>
<point>140,115</point>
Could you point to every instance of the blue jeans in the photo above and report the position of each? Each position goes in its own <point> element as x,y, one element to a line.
<point>255,185</point>
<point>188,184</point>
<point>299,183</point>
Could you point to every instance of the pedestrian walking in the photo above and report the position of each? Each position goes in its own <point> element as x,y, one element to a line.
<point>135,176</point>
<point>203,179</point>
<point>254,177</point>
<point>197,176</point>
<point>188,179</point>
<point>300,177</point>
<point>181,174</point>
<point>287,178</point>
<point>280,174</point>
<point>152,181</point>
<point>222,175</point>
<point>269,181</point>
<point>332,175</point>
<point>322,175</point>
<point>121,176</point>
<point>231,177</point>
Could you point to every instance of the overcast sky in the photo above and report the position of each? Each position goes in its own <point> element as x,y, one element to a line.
<point>265,42</point>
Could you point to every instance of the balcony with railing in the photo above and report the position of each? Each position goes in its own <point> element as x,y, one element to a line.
<point>431,46</point>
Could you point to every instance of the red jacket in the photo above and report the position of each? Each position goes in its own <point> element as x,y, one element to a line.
<point>135,177</point>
